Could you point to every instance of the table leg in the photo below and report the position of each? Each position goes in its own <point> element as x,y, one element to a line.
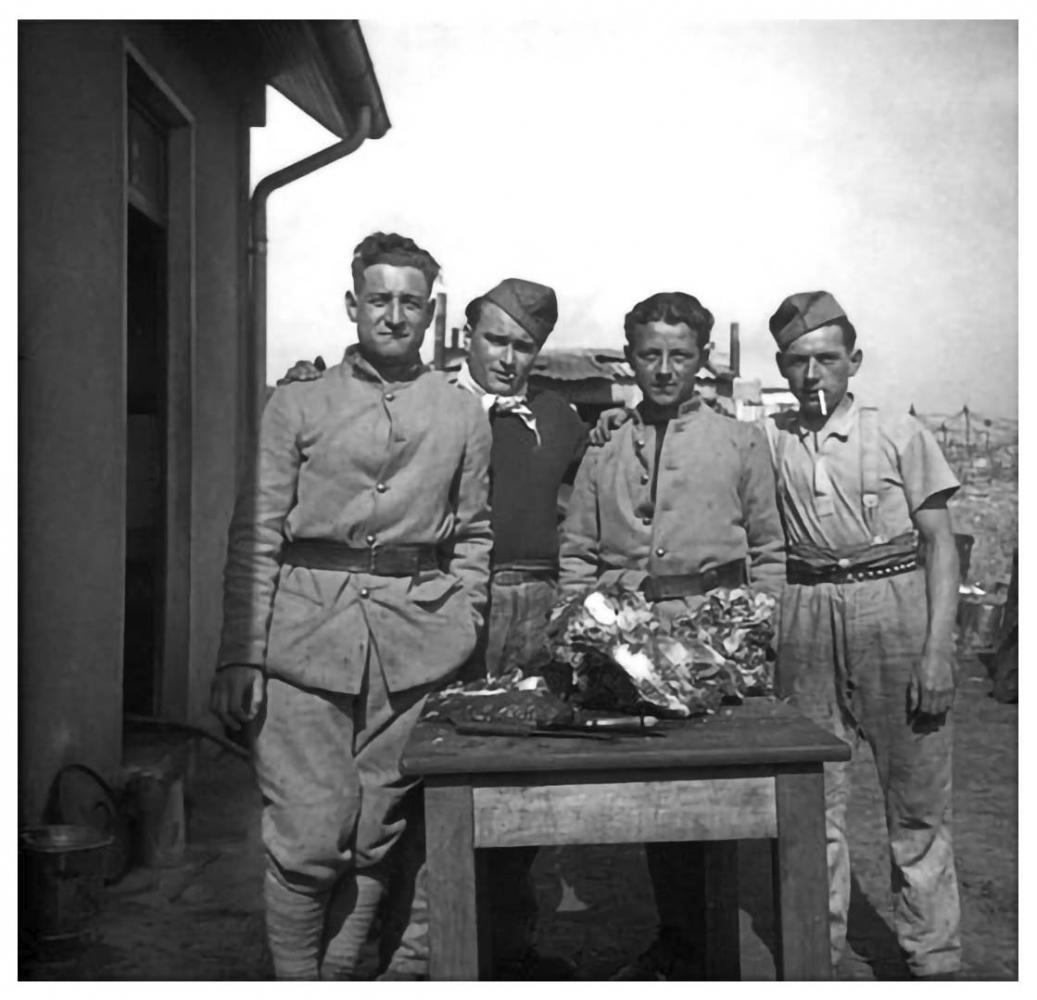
<point>452,883</point>
<point>723,947</point>
<point>801,876</point>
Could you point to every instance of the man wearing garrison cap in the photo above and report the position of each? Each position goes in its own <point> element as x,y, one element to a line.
<point>866,643</point>
<point>538,442</point>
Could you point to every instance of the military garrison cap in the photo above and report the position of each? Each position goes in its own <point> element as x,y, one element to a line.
<point>801,313</point>
<point>534,307</point>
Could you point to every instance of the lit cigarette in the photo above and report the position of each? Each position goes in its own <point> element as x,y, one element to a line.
<point>823,403</point>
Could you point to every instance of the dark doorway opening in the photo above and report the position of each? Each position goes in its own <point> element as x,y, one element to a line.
<point>146,310</point>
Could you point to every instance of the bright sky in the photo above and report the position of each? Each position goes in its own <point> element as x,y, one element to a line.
<point>739,162</point>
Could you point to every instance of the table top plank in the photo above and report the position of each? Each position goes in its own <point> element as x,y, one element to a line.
<point>761,731</point>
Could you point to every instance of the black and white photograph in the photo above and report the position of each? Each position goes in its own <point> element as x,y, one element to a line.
<point>520,492</point>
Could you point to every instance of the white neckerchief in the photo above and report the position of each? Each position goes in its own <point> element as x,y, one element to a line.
<point>517,404</point>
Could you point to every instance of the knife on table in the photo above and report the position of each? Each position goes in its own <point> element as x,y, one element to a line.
<point>519,729</point>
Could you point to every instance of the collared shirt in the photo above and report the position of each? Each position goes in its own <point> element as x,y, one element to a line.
<point>354,459</point>
<point>517,405</point>
<point>820,487</point>
<point>714,504</point>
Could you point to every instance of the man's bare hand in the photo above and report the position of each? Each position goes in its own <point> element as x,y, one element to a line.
<point>609,421</point>
<point>303,371</point>
<point>931,690</point>
<point>237,694</point>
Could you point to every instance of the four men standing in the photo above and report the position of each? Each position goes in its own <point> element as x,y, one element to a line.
<point>360,561</point>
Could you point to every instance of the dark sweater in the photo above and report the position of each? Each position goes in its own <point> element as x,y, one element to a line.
<point>525,477</point>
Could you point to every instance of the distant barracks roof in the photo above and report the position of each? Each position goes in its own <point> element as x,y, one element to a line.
<point>586,363</point>
<point>573,366</point>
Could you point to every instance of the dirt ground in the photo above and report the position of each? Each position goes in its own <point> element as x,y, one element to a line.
<point>203,919</point>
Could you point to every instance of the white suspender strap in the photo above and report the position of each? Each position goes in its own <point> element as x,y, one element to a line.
<point>869,427</point>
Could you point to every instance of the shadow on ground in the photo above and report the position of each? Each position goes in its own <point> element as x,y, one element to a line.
<point>203,919</point>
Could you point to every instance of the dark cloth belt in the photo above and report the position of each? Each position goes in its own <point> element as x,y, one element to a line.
<point>524,571</point>
<point>665,588</point>
<point>809,564</point>
<point>387,560</point>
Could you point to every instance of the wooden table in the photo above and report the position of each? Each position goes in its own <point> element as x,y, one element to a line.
<point>752,771</point>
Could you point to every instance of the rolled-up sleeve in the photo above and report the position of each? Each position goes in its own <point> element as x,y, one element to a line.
<point>764,534</point>
<point>257,534</point>
<point>923,469</point>
<point>472,544</point>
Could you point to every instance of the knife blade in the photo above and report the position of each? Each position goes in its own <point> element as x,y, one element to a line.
<point>518,729</point>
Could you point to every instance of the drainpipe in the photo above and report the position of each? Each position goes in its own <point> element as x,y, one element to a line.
<point>258,245</point>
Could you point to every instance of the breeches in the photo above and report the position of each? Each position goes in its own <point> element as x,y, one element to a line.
<point>328,770</point>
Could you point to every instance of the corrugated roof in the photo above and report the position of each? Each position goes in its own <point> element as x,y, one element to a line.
<point>578,364</point>
<point>575,365</point>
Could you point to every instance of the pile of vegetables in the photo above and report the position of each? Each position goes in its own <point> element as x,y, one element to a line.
<point>622,657</point>
<point>612,652</point>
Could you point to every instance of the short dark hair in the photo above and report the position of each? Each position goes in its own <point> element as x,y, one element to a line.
<point>392,248</point>
<point>473,311</point>
<point>673,308</point>
<point>849,333</point>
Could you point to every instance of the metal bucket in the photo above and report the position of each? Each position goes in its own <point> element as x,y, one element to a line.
<point>160,835</point>
<point>62,879</point>
<point>980,623</point>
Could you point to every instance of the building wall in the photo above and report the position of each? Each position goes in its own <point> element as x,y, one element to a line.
<point>72,420</point>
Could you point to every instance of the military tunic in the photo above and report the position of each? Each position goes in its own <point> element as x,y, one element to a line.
<point>350,458</point>
<point>714,505</point>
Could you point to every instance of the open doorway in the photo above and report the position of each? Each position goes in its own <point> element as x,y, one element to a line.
<point>145,462</point>
<point>159,361</point>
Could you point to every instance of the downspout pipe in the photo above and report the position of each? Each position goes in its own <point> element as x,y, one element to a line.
<point>257,250</point>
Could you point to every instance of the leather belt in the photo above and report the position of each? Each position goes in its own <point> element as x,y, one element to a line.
<point>524,571</point>
<point>379,560</point>
<point>665,588</point>
<point>809,576</point>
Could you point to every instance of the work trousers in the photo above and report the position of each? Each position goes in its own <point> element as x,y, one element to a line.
<point>514,637</point>
<point>846,656</point>
<point>334,801</point>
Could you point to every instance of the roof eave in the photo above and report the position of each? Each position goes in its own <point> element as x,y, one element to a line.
<point>324,68</point>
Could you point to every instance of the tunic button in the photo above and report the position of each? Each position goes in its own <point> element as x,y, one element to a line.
<point>365,592</point>
<point>370,539</point>
<point>640,442</point>
<point>646,520</point>
<point>381,487</point>
<point>389,397</point>
<point>660,552</point>
<point>644,480</point>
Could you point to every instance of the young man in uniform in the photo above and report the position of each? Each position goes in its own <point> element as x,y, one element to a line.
<point>537,445</point>
<point>866,646</point>
<point>355,583</point>
<point>679,501</point>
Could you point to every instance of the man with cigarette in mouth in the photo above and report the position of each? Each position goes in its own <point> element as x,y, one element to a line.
<point>866,645</point>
